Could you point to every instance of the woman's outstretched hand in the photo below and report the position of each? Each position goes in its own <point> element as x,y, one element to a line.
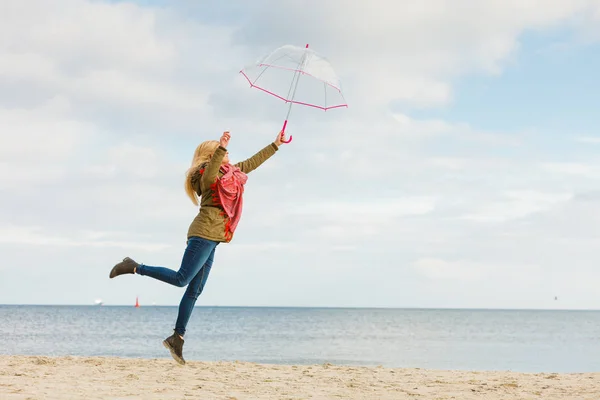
<point>224,141</point>
<point>280,138</point>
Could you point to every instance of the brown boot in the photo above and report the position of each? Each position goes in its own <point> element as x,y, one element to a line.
<point>127,266</point>
<point>174,344</point>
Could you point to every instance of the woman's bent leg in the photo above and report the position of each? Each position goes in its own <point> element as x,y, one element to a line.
<point>197,252</point>
<point>188,301</point>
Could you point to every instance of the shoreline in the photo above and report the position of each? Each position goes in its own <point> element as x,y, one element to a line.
<point>43,377</point>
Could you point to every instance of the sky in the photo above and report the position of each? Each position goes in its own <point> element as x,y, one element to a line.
<point>464,172</point>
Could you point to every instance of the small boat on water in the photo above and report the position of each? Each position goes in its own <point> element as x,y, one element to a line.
<point>99,302</point>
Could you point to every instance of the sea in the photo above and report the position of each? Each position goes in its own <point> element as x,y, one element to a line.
<point>493,340</point>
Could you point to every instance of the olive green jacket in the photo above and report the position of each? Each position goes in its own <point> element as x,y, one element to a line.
<point>211,221</point>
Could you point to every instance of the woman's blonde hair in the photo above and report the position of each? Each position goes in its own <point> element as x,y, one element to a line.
<point>203,153</point>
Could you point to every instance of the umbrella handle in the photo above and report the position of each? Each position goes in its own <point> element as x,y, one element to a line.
<point>283,131</point>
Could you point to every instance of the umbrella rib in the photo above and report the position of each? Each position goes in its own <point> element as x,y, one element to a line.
<point>291,84</point>
<point>268,66</point>
<point>299,73</point>
<point>259,75</point>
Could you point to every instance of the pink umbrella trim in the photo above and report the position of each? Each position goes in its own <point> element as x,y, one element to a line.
<point>293,101</point>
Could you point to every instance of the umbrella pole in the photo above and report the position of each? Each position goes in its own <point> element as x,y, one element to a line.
<point>293,94</point>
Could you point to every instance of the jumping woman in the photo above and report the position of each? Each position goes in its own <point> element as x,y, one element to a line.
<point>218,187</point>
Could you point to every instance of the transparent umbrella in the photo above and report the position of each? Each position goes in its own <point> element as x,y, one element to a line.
<point>279,73</point>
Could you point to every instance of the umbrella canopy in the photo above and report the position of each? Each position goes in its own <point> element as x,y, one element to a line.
<point>297,75</point>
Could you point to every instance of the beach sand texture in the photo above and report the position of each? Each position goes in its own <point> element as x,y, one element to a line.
<point>27,377</point>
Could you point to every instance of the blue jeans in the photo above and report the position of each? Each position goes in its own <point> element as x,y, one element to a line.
<point>195,267</point>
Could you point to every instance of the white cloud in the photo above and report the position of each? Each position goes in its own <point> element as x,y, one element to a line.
<point>38,236</point>
<point>589,139</point>
<point>41,134</point>
<point>86,34</point>
<point>472,271</point>
<point>452,163</point>
<point>128,159</point>
<point>518,204</point>
<point>16,176</point>
<point>376,210</point>
<point>119,88</point>
<point>102,104</point>
<point>419,129</point>
<point>572,168</point>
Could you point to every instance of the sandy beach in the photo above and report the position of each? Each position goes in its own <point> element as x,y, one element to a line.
<point>23,377</point>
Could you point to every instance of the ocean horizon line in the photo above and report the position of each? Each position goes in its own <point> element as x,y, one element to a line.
<point>304,307</point>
